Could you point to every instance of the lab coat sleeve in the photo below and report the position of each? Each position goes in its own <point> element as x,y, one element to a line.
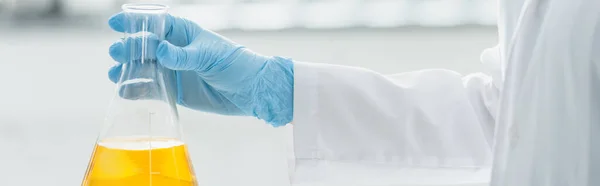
<point>353,125</point>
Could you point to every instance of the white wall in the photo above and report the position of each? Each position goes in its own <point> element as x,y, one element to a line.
<point>55,91</point>
<point>277,14</point>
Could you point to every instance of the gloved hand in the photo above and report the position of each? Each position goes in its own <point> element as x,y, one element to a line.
<point>215,74</point>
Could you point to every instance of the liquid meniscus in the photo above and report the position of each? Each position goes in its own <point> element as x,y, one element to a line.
<point>140,162</point>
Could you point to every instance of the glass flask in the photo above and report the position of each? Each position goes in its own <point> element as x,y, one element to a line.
<point>142,143</point>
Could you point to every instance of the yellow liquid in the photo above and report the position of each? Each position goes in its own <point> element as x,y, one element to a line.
<point>140,162</point>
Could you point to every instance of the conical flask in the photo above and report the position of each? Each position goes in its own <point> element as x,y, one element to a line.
<point>142,143</point>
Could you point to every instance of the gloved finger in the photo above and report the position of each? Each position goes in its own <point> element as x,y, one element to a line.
<point>173,26</point>
<point>140,90</point>
<point>134,48</point>
<point>133,23</point>
<point>141,80</point>
<point>176,58</point>
<point>114,73</point>
<point>134,90</point>
<point>117,52</point>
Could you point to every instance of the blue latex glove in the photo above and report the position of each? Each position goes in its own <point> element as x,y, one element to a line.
<point>216,75</point>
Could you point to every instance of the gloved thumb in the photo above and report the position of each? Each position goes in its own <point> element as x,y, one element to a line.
<point>176,58</point>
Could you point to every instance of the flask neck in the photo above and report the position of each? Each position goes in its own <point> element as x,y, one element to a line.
<point>142,76</point>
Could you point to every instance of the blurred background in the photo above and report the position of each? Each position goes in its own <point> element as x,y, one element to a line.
<point>55,90</point>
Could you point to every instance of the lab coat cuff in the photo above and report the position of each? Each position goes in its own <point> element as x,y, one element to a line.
<point>305,107</point>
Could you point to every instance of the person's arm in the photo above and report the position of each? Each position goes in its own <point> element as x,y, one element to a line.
<point>353,122</point>
<point>362,119</point>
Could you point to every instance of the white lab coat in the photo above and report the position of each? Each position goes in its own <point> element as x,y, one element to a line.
<point>536,107</point>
